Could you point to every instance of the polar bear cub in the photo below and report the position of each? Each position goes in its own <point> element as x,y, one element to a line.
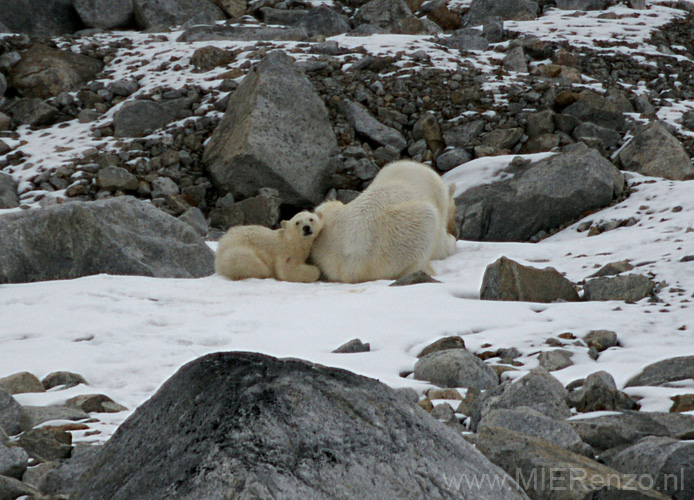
<point>395,227</point>
<point>259,252</point>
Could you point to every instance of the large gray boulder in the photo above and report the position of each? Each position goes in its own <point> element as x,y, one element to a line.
<point>8,191</point>
<point>166,13</point>
<point>105,13</point>
<point>656,152</point>
<point>663,372</point>
<point>40,17</point>
<point>629,287</point>
<point>245,425</point>
<point>610,431</point>
<point>13,418</point>
<point>506,279</point>
<point>597,109</point>
<point>115,236</point>
<point>539,196</point>
<point>45,72</point>
<point>482,11</point>
<point>320,20</point>
<point>275,133</point>
<point>455,368</point>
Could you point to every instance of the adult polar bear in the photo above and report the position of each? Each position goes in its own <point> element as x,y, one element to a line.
<point>395,227</point>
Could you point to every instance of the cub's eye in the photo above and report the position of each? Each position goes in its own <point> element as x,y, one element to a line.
<point>298,223</point>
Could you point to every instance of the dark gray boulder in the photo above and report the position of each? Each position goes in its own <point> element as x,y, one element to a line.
<point>32,111</point>
<point>242,33</point>
<point>13,461</point>
<point>275,133</point>
<point>115,236</point>
<point>382,13</point>
<point>62,479</point>
<point>594,108</point>
<point>611,431</point>
<point>455,368</point>
<point>465,39</point>
<point>656,152</point>
<point>629,287</point>
<point>105,14</point>
<point>506,279</point>
<point>539,196</point>
<point>607,136</point>
<point>370,128</point>
<point>599,393</point>
<point>8,192</point>
<point>166,13</point>
<point>40,17</point>
<point>244,425</point>
<point>13,418</point>
<point>482,11</point>
<point>662,372</point>
<point>142,117</point>
<point>321,20</point>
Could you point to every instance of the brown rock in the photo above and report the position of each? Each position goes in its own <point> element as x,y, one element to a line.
<point>682,402</point>
<point>443,344</point>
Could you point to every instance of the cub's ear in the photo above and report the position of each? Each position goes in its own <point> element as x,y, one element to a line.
<point>319,214</point>
<point>284,224</point>
<point>451,188</point>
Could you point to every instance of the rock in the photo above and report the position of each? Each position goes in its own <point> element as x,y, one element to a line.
<point>262,210</point>
<point>210,57</point>
<point>599,393</point>
<point>654,151</point>
<point>665,461</point>
<point>13,418</point>
<point>94,403</point>
<point>88,116</point>
<point>116,236</point>
<point>601,339</point>
<point>452,342</point>
<point>452,158</point>
<point>13,461</point>
<point>166,13</point>
<point>115,179</point>
<point>630,288</point>
<point>594,108</point>
<point>482,11</point>
<point>415,278</point>
<point>275,133</point>
<point>465,39</point>
<point>353,346</point>
<point>444,413</point>
<point>682,402</point>
<point>105,14</point>
<point>3,85</point>
<point>541,144</point>
<point>566,123</point>
<point>679,425</point>
<point>46,444</point>
<point>163,186</point>
<point>455,368</point>
<point>509,280</point>
<point>11,488</point>
<point>32,111</point>
<point>611,431</point>
<point>40,17</point>
<point>515,60</point>
<point>141,117</point>
<point>582,4</point>
<point>428,129</point>
<point>540,196</point>
<point>493,30</point>
<point>370,128</point>
<point>282,428</point>
<point>663,372</point>
<point>5,122</point>
<point>241,33</point>
<point>195,219</point>
<point>233,8</point>
<point>62,479</point>
<point>20,383</point>
<point>607,136</point>
<point>382,13</point>
<point>557,359</point>
<point>533,423</point>
<point>8,191</point>
<point>537,390</point>
<point>612,269</point>
<point>464,135</point>
<point>124,87</point>
<point>547,471</point>
<point>46,72</point>
<point>66,379</point>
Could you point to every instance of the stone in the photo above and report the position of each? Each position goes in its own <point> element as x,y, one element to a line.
<point>656,152</point>
<point>582,4</point>
<point>88,116</point>
<point>32,111</point>
<point>594,108</point>
<point>666,461</point>
<point>282,428</point>
<point>275,133</point>
<point>428,128</point>
<point>166,13</point>
<point>11,488</point>
<point>8,191</point>
<point>452,158</point>
<point>382,13</point>
<point>455,368</point>
<point>482,11</point>
<point>464,135</point>
<point>3,85</point>
<point>13,418</point>
<point>555,360</point>
<point>599,393</point>
<point>62,378</point>
<point>40,17</point>
<point>20,383</point>
<point>503,138</point>
<point>493,30</point>
<point>566,123</point>
<point>609,137</point>
<point>45,72</point>
<point>601,339</point>
<point>233,8</point>
<point>94,403</point>
<point>514,60</point>
<point>261,210</point>
<point>241,33</point>
<point>124,87</point>
<point>678,425</point>
<point>416,278</point>
<point>13,461</point>
<point>116,179</point>
<point>465,39</point>
<point>38,415</point>
<point>141,117</point>
<point>541,122</point>
<point>506,279</point>
<point>62,479</point>
<point>682,402</point>
<point>163,186</point>
<point>115,236</point>
<point>370,128</point>
<point>5,121</point>
<point>452,342</point>
<point>533,423</point>
<point>547,471</point>
<point>353,346</point>
<point>210,57</point>
<point>611,431</point>
<point>663,372</point>
<point>612,269</point>
<point>539,196</point>
<point>105,14</point>
<point>195,219</point>
<point>629,288</point>
<point>537,390</point>
<point>541,144</point>
<point>46,444</point>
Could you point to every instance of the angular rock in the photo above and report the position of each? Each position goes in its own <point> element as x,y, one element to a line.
<point>38,415</point>
<point>582,4</point>
<point>428,129</point>
<point>116,178</point>
<point>610,431</point>
<point>13,418</point>
<point>63,479</point>
<point>94,403</point>
<point>482,11</point>
<point>166,13</point>
<point>465,39</point>
<point>46,444</point>
<point>540,196</point>
<point>20,383</point>
<point>382,13</point>
<point>163,187</point>
<point>464,135</point>
<point>630,288</point>
<point>452,342</point>
<point>594,108</point>
<point>514,60</point>
<point>195,219</point>
<point>116,236</point>
<point>509,280</point>
<point>261,210</point>
<point>11,488</point>
<point>275,133</point>
<point>682,402</point>
<point>210,57</point>
<point>601,339</point>
<point>599,393</point>
<point>242,33</point>
<point>607,136</point>
<point>416,278</point>
<point>613,269</point>
<point>353,346</point>
<point>452,158</point>
<point>13,461</point>
<point>233,8</point>
<point>679,425</point>
<point>141,117</point>
<point>369,127</point>
<point>663,372</point>
<point>8,191</point>
<point>32,111</point>
<point>46,72</point>
<point>261,427</point>
<point>40,17</point>
<point>455,368</point>
<point>67,379</point>
<point>656,152</point>
<point>557,359</point>
<point>105,14</point>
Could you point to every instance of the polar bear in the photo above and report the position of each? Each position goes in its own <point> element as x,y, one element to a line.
<point>395,227</point>
<point>259,252</point>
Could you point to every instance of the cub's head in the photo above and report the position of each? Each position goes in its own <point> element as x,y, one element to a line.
<point>304,224</point>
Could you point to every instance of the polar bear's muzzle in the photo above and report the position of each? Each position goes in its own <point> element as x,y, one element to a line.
<point>308,230</point>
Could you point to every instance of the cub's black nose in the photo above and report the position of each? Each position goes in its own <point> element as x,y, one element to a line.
<point>308,230</point>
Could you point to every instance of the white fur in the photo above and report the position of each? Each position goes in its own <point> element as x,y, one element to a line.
<point>394,228</point>
<point>259,252</point>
